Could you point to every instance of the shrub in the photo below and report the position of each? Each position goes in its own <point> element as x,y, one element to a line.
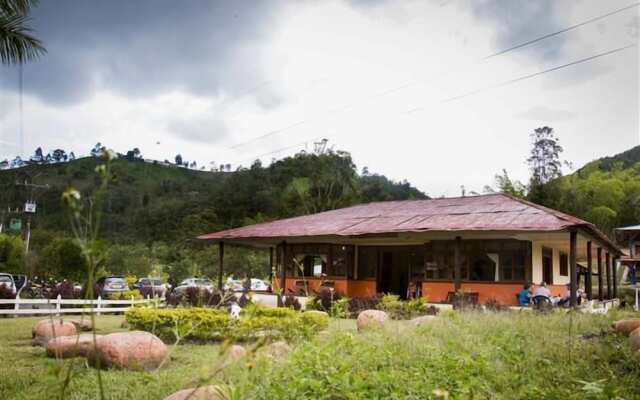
<point>66,290</point>
<point>358,304</point>
<point>398,309</point>
<point>128,294</point>
<point>494,305</point>
<point>206,324</point>
<point>315,319</point>
<point>6,294</point>
<point>324,300</point>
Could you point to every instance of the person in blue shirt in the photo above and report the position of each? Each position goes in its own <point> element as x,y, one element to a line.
<point>524,297</point>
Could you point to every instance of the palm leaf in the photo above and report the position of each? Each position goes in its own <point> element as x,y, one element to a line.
<point>12,7</point>
<point>17,45</point>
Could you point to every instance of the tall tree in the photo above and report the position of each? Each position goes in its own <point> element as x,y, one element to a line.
<point>17,44</point>
<point>544,163</point>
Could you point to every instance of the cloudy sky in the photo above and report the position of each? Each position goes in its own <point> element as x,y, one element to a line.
<point>404,86</point>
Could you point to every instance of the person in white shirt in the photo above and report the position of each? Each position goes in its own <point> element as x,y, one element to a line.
<point>542,290</point>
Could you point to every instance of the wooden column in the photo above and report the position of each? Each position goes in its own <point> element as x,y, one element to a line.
<point>221,269</point>
<point>607,263</point>
<point>600,273</point>
<point>457,264</point>
<point>573,270</point>
<point>614,277</point>
<point>283,273</point>
<point>271,266</point>
<point>588,283</point>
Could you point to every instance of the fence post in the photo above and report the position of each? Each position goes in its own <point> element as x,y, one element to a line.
<point>58,305</point>
<point>16,306</point>
<point>99,304</point>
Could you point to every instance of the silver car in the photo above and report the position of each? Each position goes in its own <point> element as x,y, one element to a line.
<point>203,283</point>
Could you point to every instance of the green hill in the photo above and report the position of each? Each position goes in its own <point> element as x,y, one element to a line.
<point>605,191</point>
<point>152,212</point>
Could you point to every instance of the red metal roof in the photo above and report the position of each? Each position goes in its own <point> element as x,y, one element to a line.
<point>490,212</point>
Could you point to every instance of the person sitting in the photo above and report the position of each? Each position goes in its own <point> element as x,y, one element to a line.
<point>542,290</point>
<point>524,297</point>
<point>566,297</point>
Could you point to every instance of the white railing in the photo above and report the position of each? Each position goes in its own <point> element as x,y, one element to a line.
<point>72,306</point>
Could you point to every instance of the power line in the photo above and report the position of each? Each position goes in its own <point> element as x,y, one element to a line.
<point>414,82</point>
<point>525,77</point>
<point>567,29</point>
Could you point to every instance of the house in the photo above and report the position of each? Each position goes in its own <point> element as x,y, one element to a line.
<point>487,246</point>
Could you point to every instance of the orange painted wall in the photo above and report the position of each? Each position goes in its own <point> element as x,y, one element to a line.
<point>314,284</point>
<point>504,293</point>
<point>361,289</point>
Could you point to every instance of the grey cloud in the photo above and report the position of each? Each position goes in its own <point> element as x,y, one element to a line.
<point>546,114</point>
<point>204,129</point>
<point>145,47</point>
<point>517,21</point>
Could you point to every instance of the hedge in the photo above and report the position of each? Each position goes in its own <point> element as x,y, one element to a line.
<point>206,324</point>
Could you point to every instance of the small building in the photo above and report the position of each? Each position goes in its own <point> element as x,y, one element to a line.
<point>487,246</point>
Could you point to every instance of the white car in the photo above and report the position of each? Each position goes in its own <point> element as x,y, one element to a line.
<point>236,285</point>
<point>258,285</point>
<point>15,283</point>
<point>203,283</point>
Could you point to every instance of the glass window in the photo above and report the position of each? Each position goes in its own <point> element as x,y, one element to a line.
<point>564,264</point>
<point>339,261</point>
<point>367,262</point>
<point>481,267</point>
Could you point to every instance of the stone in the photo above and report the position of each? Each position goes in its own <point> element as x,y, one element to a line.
<point>71,346</point>
<point>276,350</point>
<point>129,350</point>
<point>423,320</point>
<point>210,392</point>
<point>82,325</point>
<point>47,329</point>
<point>236,353</point>
<point>626,326</point>
<point>634,338</point>
<point>368,319</point>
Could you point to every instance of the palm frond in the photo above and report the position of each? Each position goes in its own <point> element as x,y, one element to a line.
<point>20,7</point>
<point>17,45</point>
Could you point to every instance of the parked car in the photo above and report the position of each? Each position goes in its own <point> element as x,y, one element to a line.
<point>111,286</point>
<point>203,283</point>
<point>151,286</point>
<point>258,285</point>
<point>15,283</point>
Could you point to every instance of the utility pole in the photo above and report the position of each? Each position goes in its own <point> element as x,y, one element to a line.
<point>30,207</point>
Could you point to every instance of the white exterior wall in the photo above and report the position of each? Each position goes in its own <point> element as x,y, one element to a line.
<point>536,263</point>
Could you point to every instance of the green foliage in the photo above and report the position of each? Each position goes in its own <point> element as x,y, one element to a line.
<point>317,320</point>
<point>62,258</point>
<point>152,213</point>
<point>398,309</point>
<point>11,254</point>
<point>207,324</point>
<point>128,294</point>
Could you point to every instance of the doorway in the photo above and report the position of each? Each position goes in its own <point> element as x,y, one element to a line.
<point>547,266</point>
<point>394,272</point>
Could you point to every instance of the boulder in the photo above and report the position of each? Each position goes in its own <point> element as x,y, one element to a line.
<point>626,326</point>
<point>210,392</point>
<point>47,329</point>
<point>368,319</point>
<point>129,350</point>
<point>82,325</point>
<point>71,346</point>
<point>634,338</point>
<point>276,350</point>
<point>423,320</point>
<point>236,353</point>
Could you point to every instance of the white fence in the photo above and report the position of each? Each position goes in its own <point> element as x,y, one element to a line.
<point>72,306</point>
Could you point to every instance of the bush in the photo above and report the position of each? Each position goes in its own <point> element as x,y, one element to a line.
<point>358,304</point>
<point>398,309</point>
<point>316,319</point>
<point>6,294</point>
<point>127,295</point>
<point>324,300</point>
<point>201,297</point>
<point>66,290</point>
<point>291,301</point>
<point>206,324</point>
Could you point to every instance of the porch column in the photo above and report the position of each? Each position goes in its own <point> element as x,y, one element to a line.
<point>457,264</point>
<point>283,272</point>
<point>614,277</point>
<point>221,269</point>
<point>271,266</point>
<point>600,274</point>
<point>588,283</point>
<point>607,263</point>
<point>573,272</point>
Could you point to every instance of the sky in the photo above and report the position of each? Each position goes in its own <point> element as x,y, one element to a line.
<point>404,86</point>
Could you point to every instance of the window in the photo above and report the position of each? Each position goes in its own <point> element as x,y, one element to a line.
<point>512,266</point>
<point>439,260</point>
<point>367,262</point>
<point>320,260</point>
<point>313,265</point>
<point>564,264</point>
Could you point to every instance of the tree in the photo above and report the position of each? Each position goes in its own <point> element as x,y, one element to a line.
<point>506,185</point>
<point>178,160</point>
<point>17,44</point>
<point>544,163</point>
<point>37,156</point>
<point>59,155</point>
<point>98,149</point>
<point>133,154</point>
<point>72,156</point>
<point>11,254</point>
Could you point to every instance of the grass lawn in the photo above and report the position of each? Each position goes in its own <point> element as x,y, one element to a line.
<point>516,355</point>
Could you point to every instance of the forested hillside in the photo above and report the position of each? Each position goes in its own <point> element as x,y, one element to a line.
<point>605,191</point>
<point>153,212</point>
